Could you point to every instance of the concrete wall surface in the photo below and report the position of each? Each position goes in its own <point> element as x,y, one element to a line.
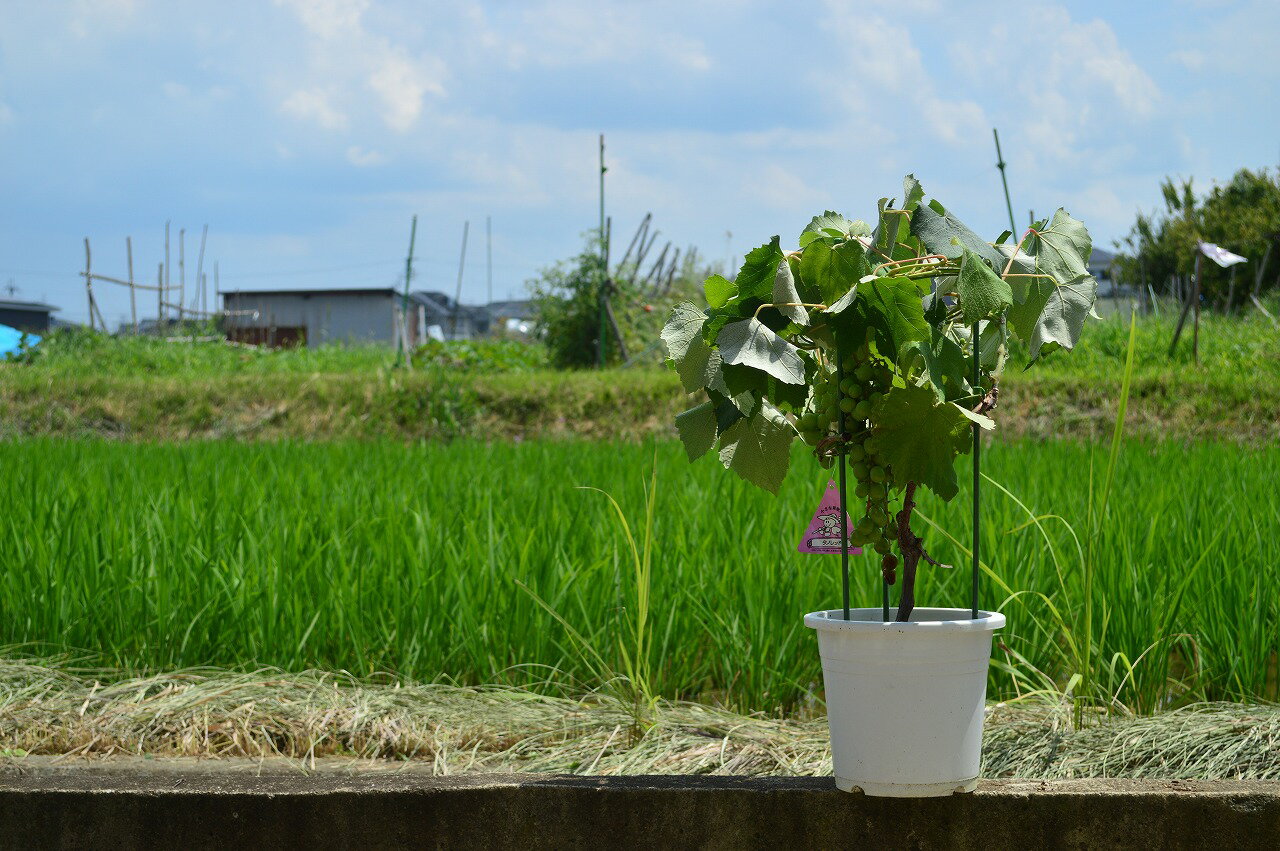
<point>49,807</point>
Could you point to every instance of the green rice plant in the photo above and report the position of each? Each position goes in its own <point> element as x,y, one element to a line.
<point>383,557</point>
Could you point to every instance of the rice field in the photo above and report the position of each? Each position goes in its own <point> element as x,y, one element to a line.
<point>472,563</point>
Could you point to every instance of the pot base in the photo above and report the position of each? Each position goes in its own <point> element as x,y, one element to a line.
<point>907,790</point>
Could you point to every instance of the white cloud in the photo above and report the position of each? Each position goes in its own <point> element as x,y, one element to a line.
<point>346,56</point>
<point>176,91</point>
<point>6,114</point>
<point>562,33</point>
<point>328,19</point>
<point>1192,60</point>
<point>401,85</point>
<point>890,73</point>
<point>91,17</point>
<point>313,105</point>
<point>361,158</point>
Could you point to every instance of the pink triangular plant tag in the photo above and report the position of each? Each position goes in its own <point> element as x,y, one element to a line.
<point>823,532</point>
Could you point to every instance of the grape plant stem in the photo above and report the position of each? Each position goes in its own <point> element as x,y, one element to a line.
<point>909,545</point>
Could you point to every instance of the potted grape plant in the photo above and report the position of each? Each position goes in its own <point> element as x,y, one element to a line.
<point>880,348</point>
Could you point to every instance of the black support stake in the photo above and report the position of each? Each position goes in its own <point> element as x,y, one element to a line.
<point>844,510</point>
<point>977,450</point>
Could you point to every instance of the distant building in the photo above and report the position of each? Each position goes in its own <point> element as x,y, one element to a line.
<point>316,317</point>
<point>31,316</point>
<point>1100,263</point>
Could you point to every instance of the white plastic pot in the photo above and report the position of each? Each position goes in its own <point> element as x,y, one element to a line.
<point>905,701</point>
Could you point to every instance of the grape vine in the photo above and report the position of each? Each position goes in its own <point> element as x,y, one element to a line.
<point>897,306</point>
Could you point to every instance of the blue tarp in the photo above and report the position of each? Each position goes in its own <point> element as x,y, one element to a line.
<point>11,338</point>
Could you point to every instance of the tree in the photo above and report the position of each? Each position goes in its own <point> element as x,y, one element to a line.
<point>1242,216</point>
<point>567,300</point>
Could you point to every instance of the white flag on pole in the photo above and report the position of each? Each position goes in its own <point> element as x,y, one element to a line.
<point>1220,255</point>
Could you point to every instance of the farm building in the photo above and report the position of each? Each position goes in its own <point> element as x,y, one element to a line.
<point>30,316</point>
<point>316,317</point>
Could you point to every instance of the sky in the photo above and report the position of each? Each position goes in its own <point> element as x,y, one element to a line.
<point>306,133</point>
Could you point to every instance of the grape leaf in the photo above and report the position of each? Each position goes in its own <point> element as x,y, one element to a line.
<point>1050,311</point>
<point>832,224</point>
<point>983,293</point>
<point>994,342</point>
<point>683,325</point>
<point>755,278</point>
<point>894,309</point>
<point>758,449</point>
<point>834,267</point>
<point>920,437</point>
<point>785,296</point>
<point>942,362</point>
<point>728,411</point>
<point>912,192</point>
<point>936,229</point>
<point>697,427</point>
<point>751,343</point>
<point>719,290</point>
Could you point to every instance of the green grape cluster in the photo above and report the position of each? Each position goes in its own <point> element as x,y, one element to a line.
<point>867,379</point>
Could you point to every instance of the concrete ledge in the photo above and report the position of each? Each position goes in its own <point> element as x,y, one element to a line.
<point>60,807</point>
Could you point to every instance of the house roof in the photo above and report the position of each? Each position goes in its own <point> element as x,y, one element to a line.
<point>511,309</point>
<point>370,291</point>
<point>33,306</point>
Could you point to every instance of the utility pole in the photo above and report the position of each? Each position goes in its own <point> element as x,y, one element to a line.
<point>604,260</point>
<point>404,301</point>
<point>1013,228</point>
<point>488,256</point>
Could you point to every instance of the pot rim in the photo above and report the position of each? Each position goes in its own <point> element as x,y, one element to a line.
<point>932,620</point>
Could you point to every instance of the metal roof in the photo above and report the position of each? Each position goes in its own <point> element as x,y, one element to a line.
<point>33,306</point>
<point>378,291</point>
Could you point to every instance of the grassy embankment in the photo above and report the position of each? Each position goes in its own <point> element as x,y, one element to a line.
<point>152,390</point>
<point>424,561</point>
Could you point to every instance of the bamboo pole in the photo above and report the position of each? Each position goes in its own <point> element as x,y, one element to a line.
<point>182,271</point>
<point>408,275</point>
<point>88,282</point>
<point>457,299</point>
<point>133,296</point>
<point>167,273</point>
<point>204,303</point>
<point>1195,299</point>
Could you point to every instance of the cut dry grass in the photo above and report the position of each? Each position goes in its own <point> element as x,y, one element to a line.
<point>55,709</point>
